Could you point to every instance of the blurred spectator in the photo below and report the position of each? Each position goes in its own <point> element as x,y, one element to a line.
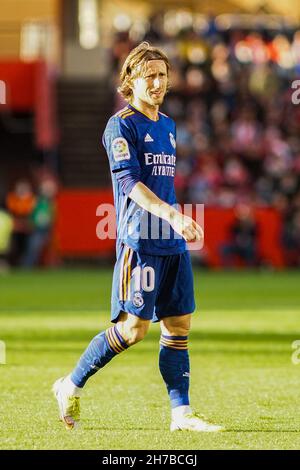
<point>20,203</point>
<point>6,229</point>
<point>41,222</point>
<point>242,246</point>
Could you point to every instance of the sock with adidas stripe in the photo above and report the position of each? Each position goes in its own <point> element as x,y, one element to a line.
<point>174,367</point>
<point>101,350</point>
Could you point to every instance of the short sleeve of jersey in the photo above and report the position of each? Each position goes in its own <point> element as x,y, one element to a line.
<point>119,142</point>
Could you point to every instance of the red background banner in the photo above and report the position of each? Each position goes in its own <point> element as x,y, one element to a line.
<point>76,225</point>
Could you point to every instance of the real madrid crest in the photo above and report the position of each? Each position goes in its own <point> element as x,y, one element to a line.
<point>172,140</point>
<point>138,300</point>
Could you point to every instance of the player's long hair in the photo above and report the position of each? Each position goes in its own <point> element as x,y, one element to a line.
<point>134,65</point>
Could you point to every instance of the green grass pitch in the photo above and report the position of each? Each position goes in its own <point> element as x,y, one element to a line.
<point>240,348</point>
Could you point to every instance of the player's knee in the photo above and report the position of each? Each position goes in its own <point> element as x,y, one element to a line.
<point>133,331</point>
<point>137,332</point>
<point>178,331</point>
<point>135,335</point>
<point>183,331</point>
<point>176,326</point>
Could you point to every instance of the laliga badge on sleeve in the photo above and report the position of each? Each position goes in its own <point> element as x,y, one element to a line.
<point>120,149</point>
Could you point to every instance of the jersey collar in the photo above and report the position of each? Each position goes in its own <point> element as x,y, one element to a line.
<point>143,114</point>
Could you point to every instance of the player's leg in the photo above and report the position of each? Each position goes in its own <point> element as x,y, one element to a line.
<point>129,328</point>
<point>174,361</point>
<point>174,307</point>
<point>132,328</point>
<point>128,331</point>
<point>174,366</point>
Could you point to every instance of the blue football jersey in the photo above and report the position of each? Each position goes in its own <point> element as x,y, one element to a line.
<point>141,146</point>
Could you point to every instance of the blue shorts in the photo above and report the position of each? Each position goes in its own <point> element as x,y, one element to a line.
<point>152,287</point>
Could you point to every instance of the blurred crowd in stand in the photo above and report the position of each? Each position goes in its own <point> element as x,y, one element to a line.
<point>238,129</point>
<point>26,219</point>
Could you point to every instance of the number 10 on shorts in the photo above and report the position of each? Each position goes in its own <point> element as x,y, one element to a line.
<point>143,278</point>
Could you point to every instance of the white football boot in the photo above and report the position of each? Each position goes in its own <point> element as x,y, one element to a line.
<point>192,422</point>
<point>69,405</point>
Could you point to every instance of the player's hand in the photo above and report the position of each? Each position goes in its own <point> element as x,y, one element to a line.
<point>186,227</point>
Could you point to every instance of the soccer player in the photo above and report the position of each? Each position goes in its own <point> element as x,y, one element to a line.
<point>152,278</point>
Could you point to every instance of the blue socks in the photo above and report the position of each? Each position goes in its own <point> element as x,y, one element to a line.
<point>174,366</point>
<point>173,362</point>
<point>99,352</point>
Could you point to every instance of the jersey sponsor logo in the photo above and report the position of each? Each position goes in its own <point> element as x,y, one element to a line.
<point>159,159</point>
<point>163,171</point>
<point>163,164</point>
<point>138,300</point>
<point>120,149</point>
<point>148,138</point>
<point>172,140</point>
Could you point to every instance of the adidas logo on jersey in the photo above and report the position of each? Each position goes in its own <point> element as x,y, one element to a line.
<point>148,138</point>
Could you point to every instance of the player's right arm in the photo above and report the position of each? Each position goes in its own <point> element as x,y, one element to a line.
<point>182,224</point>
<point>119,141</point>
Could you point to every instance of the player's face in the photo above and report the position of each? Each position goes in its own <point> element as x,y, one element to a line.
<point>151,87</point>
